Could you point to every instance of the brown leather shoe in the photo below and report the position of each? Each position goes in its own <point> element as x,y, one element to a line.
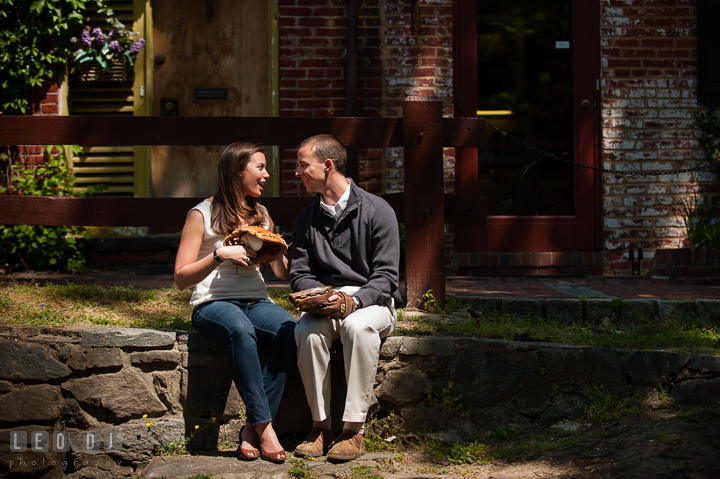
<point>316,443</point>
<point>347,447</point>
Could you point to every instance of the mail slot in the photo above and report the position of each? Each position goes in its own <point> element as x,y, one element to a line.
<point>211,93</point>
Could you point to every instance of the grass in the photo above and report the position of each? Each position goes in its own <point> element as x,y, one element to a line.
<point>680,333</point>
<point>92,305</point>
<point>169,309</point>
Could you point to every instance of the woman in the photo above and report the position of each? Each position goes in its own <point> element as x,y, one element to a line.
<point>231,305</point>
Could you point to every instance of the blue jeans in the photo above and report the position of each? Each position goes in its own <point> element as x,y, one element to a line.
<point>241,326</point>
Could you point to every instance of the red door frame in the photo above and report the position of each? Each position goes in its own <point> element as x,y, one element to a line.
<point>581,232</point>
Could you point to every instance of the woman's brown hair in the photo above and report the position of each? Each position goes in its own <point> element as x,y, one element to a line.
<point>230,203</point>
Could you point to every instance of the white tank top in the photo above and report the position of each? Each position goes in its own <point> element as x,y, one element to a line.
<point>226,281</point>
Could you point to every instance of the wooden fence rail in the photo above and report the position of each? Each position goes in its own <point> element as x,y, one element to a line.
<point>423,208</point>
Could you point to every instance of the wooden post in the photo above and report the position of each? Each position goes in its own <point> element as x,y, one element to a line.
<point>424,201</point>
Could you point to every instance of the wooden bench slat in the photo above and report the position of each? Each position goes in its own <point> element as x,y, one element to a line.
<point>171,212</point>
<point>285,132</point>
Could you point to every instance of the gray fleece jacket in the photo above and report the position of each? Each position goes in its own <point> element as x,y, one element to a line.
<point>361,249</point>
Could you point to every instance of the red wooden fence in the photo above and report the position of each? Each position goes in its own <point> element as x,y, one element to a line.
<point>423,208</point>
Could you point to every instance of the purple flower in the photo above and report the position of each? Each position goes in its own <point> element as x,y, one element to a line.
<point>113,34</point>
<point>85,39</point>
<point>115,46</point>
<point>137,46</point>
<point>98,37</point>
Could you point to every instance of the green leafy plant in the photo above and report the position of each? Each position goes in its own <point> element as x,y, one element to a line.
<point>34,46</point>
<point>451,400</point>
<point>429,303</point>
<point>299,468</point>
<point>702,229</point>
<point>36,246</point>
<point>709,123</point>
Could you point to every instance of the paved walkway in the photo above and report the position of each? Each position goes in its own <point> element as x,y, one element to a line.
<point>504,287</point>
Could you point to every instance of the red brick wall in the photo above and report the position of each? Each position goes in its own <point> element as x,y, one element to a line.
<point>393,63</point>
<point>649,95</point>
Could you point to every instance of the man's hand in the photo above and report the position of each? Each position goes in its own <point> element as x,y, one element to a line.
<point>325,301</point>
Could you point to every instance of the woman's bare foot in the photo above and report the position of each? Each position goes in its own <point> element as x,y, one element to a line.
<point>249,442</point>
<point>270,447</point>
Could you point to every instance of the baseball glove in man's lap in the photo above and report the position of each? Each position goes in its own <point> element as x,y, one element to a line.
<point>315,300</point>
<point>268,246</point>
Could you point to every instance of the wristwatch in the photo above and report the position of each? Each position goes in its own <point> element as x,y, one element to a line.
<point>357,301</point>
<point>217,258</point>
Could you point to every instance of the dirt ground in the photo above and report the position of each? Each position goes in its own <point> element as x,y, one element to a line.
<point>660,444</point>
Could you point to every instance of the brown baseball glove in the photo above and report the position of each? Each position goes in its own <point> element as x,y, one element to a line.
<point>268,246</point>
<point>315,300</point>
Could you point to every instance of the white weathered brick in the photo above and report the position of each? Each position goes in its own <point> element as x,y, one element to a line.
<point>669,222</point>
<point>652,212</point>
<point>630,201</point>
<point>656,189</point>
<point>641,155</point>
<point>618,144</point>
<point>655,166</point>
<point>669,233</point>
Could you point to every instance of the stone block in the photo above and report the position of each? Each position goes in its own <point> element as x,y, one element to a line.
<point>481,305</point>
<point>81,359</point>
<point>391,347</point>
<point>567,406</point>
<point>123,395</point>
<point>74,415</point>
<point>600,312</point>
<point>168,388</point>
<point>564,311</point>
<point>570,369</point>
<point>211,392</point>
<point>104,358</point>
<point>21,362</point>
<point>501,381</point>
<point>696,392</point>
<point>31,403</point>
<point>5,387</point>
<point>205,359</point>
<point>100,466</point>
<point>708,311</point>
<point>675,310</point>
<point>523,307</point>
<point>428,346</point>
<point>711,364</point>
<point>156,359</point>
<point>47,465</point>
<point>404,386</point>
<point>195,342</point>
<point>637,311</point>
<point>652,368</point>
<point>127,338</point>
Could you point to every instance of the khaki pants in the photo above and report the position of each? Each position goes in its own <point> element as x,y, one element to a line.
<point>360,334</point>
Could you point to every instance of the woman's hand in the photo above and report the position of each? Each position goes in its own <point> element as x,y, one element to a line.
<point>237,255</point>
<point>280,266</point>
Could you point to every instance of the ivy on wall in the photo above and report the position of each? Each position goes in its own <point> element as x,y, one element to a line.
<point>34,42</point>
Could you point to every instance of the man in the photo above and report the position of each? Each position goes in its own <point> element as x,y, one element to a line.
<point>347,239</point>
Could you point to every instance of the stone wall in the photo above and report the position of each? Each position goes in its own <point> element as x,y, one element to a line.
<point>152,387</point>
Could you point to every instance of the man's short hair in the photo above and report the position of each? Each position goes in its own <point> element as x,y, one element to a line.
<point>327,146</point>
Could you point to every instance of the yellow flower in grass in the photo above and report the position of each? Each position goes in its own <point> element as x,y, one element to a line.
<point>144,415</point>
<point>148,424</point>
<point>197,426</point>
<point>213,419</point>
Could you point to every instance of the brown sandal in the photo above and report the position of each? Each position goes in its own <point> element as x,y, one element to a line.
<point>274,456</point>
<point>248,453</point>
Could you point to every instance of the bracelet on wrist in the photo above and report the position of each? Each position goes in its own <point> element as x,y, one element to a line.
<point>217,258</point>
